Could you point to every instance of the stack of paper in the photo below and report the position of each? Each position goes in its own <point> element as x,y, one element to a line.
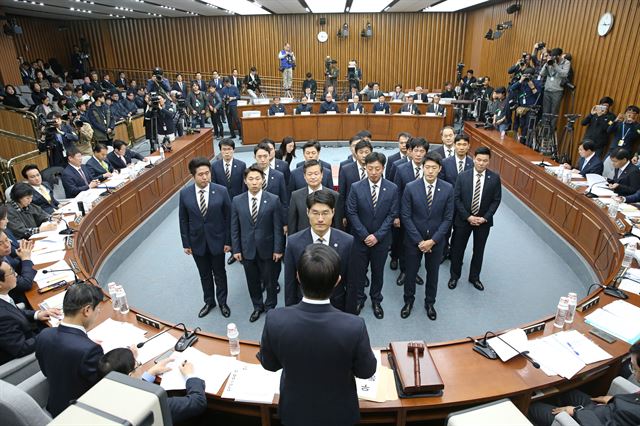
<point>155,347</point>
<point>630,286</point>
<point>252,383</point>
<point>52,235</point>
<point>516,338</point>
<point>381,386</point>
<point>44,280</point>
<point>213,369</point>
<point>555,358</point>
<point>112,334</point>
<point>620,319</point>
<point>52,303</point>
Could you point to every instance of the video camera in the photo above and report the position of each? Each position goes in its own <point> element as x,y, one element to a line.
<point>459,69</point>
<point>154,99</point>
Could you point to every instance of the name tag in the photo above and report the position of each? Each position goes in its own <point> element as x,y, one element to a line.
<point>431,114</point>
<point>405,113</point>
<point>305,113</point>
<point>355,112</point>
<point>279,114</point>
<point>380,112</point>
<point>621,142</point>
<point>331,112</point>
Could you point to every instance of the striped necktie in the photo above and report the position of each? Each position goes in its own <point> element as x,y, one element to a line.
<point>362,173</point>
<point>227,172</point>
<point>374,196</point>
<point>460,166</point>
<point>203,203</point>
<point>254,209</point>
<point>475,202</point>
<point>417,172</point>
<point>429,196</point>
<point>264,183</point>
<point>320,240</point>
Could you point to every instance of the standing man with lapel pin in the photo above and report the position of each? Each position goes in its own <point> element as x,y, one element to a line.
<point>372,207</point>
<point>427,212</point>
<point>205,223</point>
<point>320,208</point>
<point>258,242</point>
<point>477,195</point>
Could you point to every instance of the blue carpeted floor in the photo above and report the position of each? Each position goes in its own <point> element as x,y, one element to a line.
<point>523,276</point>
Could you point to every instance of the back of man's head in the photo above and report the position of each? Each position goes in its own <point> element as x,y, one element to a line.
<point>80,295</point>
<point>119,359</point>
<point>318,271</point>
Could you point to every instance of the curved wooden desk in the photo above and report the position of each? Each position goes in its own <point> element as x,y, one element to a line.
<point>469,378</point>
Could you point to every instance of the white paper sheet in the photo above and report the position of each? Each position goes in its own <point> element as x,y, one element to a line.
<point>629,286</point>
<point>516,338</point>
<point>43,280</point>
<point>112,334</point>
<point>581,346</point>
<point>252,383</point>
<point>54,256</point>
<point>213,369</point>
<point>155,347</point>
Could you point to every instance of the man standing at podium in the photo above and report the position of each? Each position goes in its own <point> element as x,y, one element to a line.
<point>205,222</point>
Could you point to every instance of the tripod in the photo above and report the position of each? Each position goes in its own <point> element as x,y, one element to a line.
<point>528,133</point>
<point>566,141</point>
<point>545,141</point>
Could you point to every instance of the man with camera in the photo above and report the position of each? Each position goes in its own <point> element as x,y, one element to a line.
<point>354,74</point>
<point>527,91</point>
<point>197,105</point>
<point>157,83</point>
<point>58,138</point>
<point>498,113</point>
<point>597,122</point>
<point>331,72</point>
<point>287,64</point>
<point>466,88</point>
<point>556,70</point>
<point>230,96</point>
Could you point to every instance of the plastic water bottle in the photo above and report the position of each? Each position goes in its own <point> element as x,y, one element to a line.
<point>161,153</point>
<point>566,178</point>
<point>234,342</point>
<point>629,254</point>
<point>113,288</point>
<point>561,312</point>
<point>123,305</point>
<point>613,208</point>
<point>571,313</point>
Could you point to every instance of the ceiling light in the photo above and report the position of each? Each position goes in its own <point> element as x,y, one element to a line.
<point>326,6</point>
<point>453,5</point>
<point>365,6</point>
<point>241,7</point>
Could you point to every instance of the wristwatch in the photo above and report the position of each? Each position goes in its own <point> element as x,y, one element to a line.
<point>576,409</point>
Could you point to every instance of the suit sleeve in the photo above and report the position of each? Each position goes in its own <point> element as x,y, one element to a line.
<point>447,218</point>
<point>329,183</point>
<point>192,404</point>
<point>13,340</point>
<point>278,236</point>
<point>284,199</point>
<point>236,242</point>
<point>267,357</point>
<point>292,214</point>
<point>290,280</point>
<point>406,218</point>
<point>89,364</point>
<point>461,209</point>
<point>183,218</point>
<point>384,229</point>
<point>497,197</point>
<point>352,210</point>
<point>337,217</point>
<point>26,276</point>
<point>364,362</point>
<point>226,215</point>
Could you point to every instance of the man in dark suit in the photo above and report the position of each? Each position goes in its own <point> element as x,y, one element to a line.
<point>199,82</point>
<point>17,334</point>
<point>352,172</point>
<point>229,171</point>
<point>321,208</point>
<point>121,156</point>
<point>626,176</point>
<point>298,180</point>
<point>409,107</point>
<point>180,86</point>
<point>318,348</point>
<point>372,207</point>
<point>98,165</point>
<point>314,180</point>
<point>311,151</point>
<point>19,259</point>
<point>276,107</point>
<point>205,224</point>
<point>329,105</point>
<point>276,163</point>
<point>381,106</point>
<point>619,410</point>
<point>589,161</point>
<point>66,355</point>
<point>420,96</point>
<point>42,193</point>
<point>216,80</point>
<point>400,157</point>
<point>426,215</point>
<point>355,107</point>
<point>257,239</point>
<point>403,138</point>
<point>477,195</point>
<point>230,95</point>
<point>435,107</point>
<point>76,177</point>
<point>448,138</point>
<point>235,79</point>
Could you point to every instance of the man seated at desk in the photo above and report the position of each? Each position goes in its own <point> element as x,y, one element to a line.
<point>589,162</point>
<point>626,176</point>
<point>309,94</point>
<point>419,96</point>
<point>121,156</point>
<point>304,106</point>
<point>409,107</point>
<point>42,192</point>
<point>355,107</point>
<point>381,105</point>
<point>435,107</point>
<point>277,107</point>
<point>76,177</point>
<point>329,105</point>
<point>98,166</point>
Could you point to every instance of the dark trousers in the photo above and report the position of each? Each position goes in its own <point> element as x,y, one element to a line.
<point>213,276</point>
<point>234,121</point>
<point>540,412</point>
<point>459,240</point>
<point>551,104</point>
<point>256,271</point>
<point>396,242</point>
<point>197,119</point>
<point>216,121</point>
<point>431,264</point>
<point>364,255</point>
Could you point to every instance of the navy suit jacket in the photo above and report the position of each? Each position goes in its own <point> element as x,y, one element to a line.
<point>283,167</point>
<point>69,360</point>
<point>349,174</point>
<point>297,179</point>
<point>381,107</point>
<point>208,234</point>
<point>628,180</point>
<point>277,186</point>
<point>394,167</point>
<point>72,180</point>
<point>354,107</point>
<point>236,186</point>
<point>192,404</point>
<point>421,222</point>
<point>364,219</point>
<point>440,151</point>
<point>298,218</point>
<point>96,169</point>
<point>405,173</point>
<point>449,170</point>
<point>17,338</point>
<point>489,202</point>
<point>129,155</point>
<point>415,110</point>
<point>594,165</point>
<point>184,90</point>
<point>317,344</point>
<point>323,163</point>
<point>342,243</point>
<point>263,238</point>
<point>39,200</point>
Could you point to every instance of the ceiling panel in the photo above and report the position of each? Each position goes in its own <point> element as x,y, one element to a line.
<point>411,5</point>
<point>283,6</point>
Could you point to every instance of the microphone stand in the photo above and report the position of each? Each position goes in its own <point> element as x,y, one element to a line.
<point>184,342</point>
<point>76,280</point>
<point>524,354</point>
<point>67,231</point>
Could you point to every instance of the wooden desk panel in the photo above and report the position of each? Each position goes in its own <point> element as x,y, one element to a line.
<point>305,127</point>
<point>279,127</point>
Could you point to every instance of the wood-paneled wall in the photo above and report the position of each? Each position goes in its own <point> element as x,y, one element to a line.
<point>603,65</point>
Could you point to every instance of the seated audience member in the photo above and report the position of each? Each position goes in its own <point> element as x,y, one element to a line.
<point>17,331</point>
<point>129,104</point>
<point>66,355</point>
<point>419,96</point>
<point>99,167</point>
<point>311,84</point>
<point>11,99</point>
<point>277,107</point>
<point>4,221</point>
<point>76,177</point>
<point>435,108</point>
<point>625,130</point>
<point>350,94</point>
<point>26,218</point>
<point>121,156</point>
<point>626,177</point>
<point>355,106</point>
<point>42,192</point>
<point>182,408</point>
<point>381,105</point>
<point>398,95</point>
<point>410,107</point>
<point>304,106</point>
<point>448,92</point>
<point>314,343</point>
<point>372,91</point>
<point>329,105</point>
<point>589,161</point>
<point>619,410</point>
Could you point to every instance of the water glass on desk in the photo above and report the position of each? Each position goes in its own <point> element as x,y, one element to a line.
<point>613,207</point>
<point>629,254</point>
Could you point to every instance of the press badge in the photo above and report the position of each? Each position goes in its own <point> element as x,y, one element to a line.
<point>621,142</point>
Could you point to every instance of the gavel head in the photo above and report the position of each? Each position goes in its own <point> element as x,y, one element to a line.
<point>414,347</point>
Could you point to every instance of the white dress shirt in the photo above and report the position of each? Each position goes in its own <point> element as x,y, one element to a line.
<point>251,197</point>
<point>206,195</point>
<point>316,302</point>
<point>314,237</point>
<point>413,170</point>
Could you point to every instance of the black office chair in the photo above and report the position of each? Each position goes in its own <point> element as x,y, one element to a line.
<point>52,175</point>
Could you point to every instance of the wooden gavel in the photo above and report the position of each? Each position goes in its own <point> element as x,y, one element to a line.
<point>417,349</point>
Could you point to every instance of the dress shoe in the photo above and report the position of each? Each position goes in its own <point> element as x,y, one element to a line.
<point>359,307</point>
<point>453,283</point>
<point>394,264</point>
<point>377,311</point>
<point>419,280</point>
<point>366,281</point>
<point>401,277</point>
<point>477,284</point>
<point>406,310</point>
<point>255,315</point>
<point>206,309</point>
<point>226,312</point>
<point>431,312</point>
<point>231,260</point>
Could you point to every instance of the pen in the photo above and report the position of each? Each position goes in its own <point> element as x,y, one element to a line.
<point>573,349</point>
<point>184,362</point>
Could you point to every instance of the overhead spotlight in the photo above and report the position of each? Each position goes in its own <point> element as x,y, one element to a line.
<point>343,32</point>
<point>504,26</point>
<point>489,34</point>
<point>367,31</point>
<point>513,8</point>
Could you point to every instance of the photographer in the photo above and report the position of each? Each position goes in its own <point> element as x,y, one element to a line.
<point>58,138</point>
<point>466,90</point>
<point>252,83</point>
<point>498,113</point>
<point>527,92</point>
<point>598,124</point>
<point>197,105</point>
<point>331,72</point>
<point>214,103</point>
<point>157,83</point>
<point>84,131</point>
<point>287,64</point>
<point>230,95</point>
<point>101,120</point>
<point>354,74</point>
<point>181,120</point>
<point>166,124</point>
<point>539,49</point>
<point>556,70</point>
<point>518,68</point>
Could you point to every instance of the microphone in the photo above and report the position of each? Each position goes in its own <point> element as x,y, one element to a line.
<point>524,354</point>
<point>76,280</point>
<point>185,341</point>
<point>107,191</point>
<point>483,348</point>
<point>67,231</point>
<point>588,192</point>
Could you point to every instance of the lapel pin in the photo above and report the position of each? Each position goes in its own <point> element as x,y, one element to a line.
<point>335,244</point>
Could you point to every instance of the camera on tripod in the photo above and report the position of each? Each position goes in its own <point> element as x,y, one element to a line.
<point>181,103</point>
<point>154,98</point>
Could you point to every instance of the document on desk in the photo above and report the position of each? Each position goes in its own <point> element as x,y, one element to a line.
<point>555,358</point>
<point>602,191</point>
<point>111,334</point>
<point>381,386</point>
<point>155,347</point>
<point>629,286</point>
<point>51,235</point>
<point>44,280</point>
<point>620,319</point>
<point>516,338</point>
<point>47,246</point>
<point>213,369</point>
<point>584,348</point>
<point>51,303</point>
<point>53,256</point>
<point>252,383</point>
